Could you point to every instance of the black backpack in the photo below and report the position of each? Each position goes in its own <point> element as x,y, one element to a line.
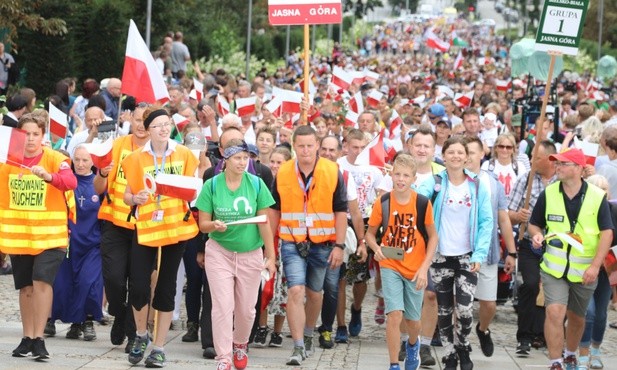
<point>421,205</point>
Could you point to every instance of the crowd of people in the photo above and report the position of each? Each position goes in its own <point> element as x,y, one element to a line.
<point>447,209</point>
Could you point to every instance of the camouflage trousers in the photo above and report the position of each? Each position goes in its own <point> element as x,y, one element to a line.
<point>455,286</point>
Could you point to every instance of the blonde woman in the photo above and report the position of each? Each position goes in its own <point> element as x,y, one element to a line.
<point>504,163</point>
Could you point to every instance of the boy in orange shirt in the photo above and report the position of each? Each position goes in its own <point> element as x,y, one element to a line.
<point>403,277</point>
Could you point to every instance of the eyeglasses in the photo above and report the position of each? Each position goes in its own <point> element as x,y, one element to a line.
<point>164,125</point>
<point>508,147</point>
<point>565,164</point>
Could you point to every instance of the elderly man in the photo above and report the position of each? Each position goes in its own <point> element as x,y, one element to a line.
<point>94,117</point>
<point>112,97</point>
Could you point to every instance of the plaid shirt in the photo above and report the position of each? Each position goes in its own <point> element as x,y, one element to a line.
<point>517,195</point>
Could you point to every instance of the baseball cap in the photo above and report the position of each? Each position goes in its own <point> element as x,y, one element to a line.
<point>445,120</point>
<point>570,155</point>
<point>516,120</point>
<point>384,89</point>
<point>437,110</point>
<point>253,149</point>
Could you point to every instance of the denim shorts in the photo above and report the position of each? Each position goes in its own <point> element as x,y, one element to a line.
<point>309,271</point>
<point>400,294</point>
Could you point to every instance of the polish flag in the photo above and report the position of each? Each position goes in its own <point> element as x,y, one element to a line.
<point>434,42</point>
<point>374,154</point>
<point>419,100</point>
<point>341,78</point>
<point>199,89</point>
<point>356,104</point>
<point>58,121</point>
<point>312,89</point>
<point>444,91</point>
<point>180,121</point>
<point>404,102</point>
<point>503,85</point>
<point>458,62</point>
<point>222,105</point>
<point>141,77</point>
<point>464,100</point>
<point>358,77</point>
<point>374,97</point>
<point>370,76</point>
<point>245,106</point>
<point>592,86</point>
<point>351,119</point>
<point>274,106</point>
<point>395,125</point>
<point>12,145</point>
<point>101,153</point>
<point>290,101</point>
<point>589,149</point>
<point>174,186</point>
<point>390,153</point>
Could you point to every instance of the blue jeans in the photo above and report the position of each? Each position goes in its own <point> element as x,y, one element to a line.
<point>595,319</point>
<point>330,298</point>
<point>309,271</point>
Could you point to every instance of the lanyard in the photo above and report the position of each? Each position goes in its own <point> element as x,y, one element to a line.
<point>156,170</point>
<point>305,187</point>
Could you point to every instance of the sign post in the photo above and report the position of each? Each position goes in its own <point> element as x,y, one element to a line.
<point>305,12</point>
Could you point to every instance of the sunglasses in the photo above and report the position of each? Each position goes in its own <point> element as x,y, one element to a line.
<point>508,147</point>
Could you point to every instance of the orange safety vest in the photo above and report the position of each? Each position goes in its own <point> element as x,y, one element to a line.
<point>113,208</point>
<point>33,213</point>
<point>316,208</point>
<point>175,226</point>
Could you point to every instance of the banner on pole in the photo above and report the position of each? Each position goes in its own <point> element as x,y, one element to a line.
<point>300,12</point>
<point>561,26</point>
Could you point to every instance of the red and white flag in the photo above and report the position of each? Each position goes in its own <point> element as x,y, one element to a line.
<point>374,97</point>
<point>351,119</point>
<point>341,78</point>
<point>174,186</point>
<point>589,149</point>
<point>374,154</point>
<point>180,121</point>
<point>274,106</point>
<point>503,85</point>
<point>312,89</point>
<point>443,91</point>
<point>592,86</point>
<point>101,153</point>
<point>58,121</point>
<point>290,101</point>
<point>222,105</point>
<point>458,62</point>
<point>245,106</point>
<point>434,42</point>
<point>199,89</point>
<point>358,77</point>
<point>404,102</point>
<point>395,125</point>
<point>356,103</point>
<point>464,100</point>
<point>419,100</point>
<point>141,77</point>
<point>12,145</point>
<point>370,76</point>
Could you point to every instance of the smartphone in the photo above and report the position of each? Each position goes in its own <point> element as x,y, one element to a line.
<point>393,253</point>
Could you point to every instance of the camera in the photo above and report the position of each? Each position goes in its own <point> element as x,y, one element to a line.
<point>107,126</point>
<point>303,248</point>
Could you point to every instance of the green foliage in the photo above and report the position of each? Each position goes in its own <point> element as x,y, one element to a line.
<point>235,65</point>
<point>591,48</point>
<point>223,43</point>
<point>16,14</point>
<point>581,64</point>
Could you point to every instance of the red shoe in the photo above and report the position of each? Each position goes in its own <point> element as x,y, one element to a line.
<point>241,359</point>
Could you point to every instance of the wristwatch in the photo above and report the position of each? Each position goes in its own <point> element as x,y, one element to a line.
<point>513,254</point>
<point>342,246</point>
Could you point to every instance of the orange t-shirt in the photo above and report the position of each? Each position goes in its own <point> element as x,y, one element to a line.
<point>402,232</point>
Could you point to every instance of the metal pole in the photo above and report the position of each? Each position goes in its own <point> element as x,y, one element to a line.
<point>407,6</point>
<point>148,20</point>
<point>329,38</point>
<point>600,21</point>
<point>248,40</point>
<point>287,42</point>
<point>306,73</point>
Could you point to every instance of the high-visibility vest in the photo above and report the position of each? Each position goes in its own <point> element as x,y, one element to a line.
<point>569,261</point>
<point>316,208</point>
<point>177,223</point>
<point>113,208</point>
<point>33,213</point>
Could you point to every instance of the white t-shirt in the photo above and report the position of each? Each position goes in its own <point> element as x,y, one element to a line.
<point>366,179</point>
<point>455,220</point>
<point>505,174</point>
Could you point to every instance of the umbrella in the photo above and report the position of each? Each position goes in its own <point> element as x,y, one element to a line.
<point>519,54</point>
<point>607,67</point>
<point>539,62</point>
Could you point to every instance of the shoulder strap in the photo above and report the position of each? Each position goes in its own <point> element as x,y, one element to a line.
<point>385,211</point>
<point>491,164</point>
<point>437,187</point>
<point>421,206</point>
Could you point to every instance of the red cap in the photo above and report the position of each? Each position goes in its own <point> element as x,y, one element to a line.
<point>570,155</point>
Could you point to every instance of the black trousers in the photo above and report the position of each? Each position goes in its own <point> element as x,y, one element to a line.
<point>530,316</point>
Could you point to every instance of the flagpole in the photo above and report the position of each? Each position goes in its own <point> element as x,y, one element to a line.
<point>306,73</point>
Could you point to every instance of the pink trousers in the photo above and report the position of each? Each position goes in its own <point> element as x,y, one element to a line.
<point>234,280</point>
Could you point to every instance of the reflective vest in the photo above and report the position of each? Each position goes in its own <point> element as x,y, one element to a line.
<point>315,208</point>
<point>569,261</point>
<point>33,213</point>
<point>113,208</point>
<point>177,223</point>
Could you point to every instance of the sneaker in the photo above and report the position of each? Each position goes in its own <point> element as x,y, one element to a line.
<point>308,345</point>
<point>595,362</point>
<point>570,363</point>
<point>240,357</point>
<point>355,324</point>
<point>223,365</point>
<point>50,328</point>
<point>341,335</point>
<point>450,362</point>
<point>74,331</point>
<point>380,316</point>
<point>325,339</point>
<point>260,337</point>
<point>486,343</point>
<point>192,332</point>
<point>129,345</point>
<point>175,325</point>
<point>583,363</point>
<point>523,348</point>
<point>156,358</point>
<point>276,340</point>
<point>39,352</point>
<point>139,348</point>
<point>556,366</point>
<point>297,356</point>
<point>88,329</point>
<point>402,352</point>
<point>412,360</point>
<point>426,358</point>
<point>117,334</point>
<point>395,367</point>
<point>538,342</point>
<point>463,357</point>
<point>24,347</point>
<point>209,353</point>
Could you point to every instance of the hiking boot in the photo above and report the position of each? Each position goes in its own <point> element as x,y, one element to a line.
<point>129,345</point>
<point>486,343</point>
<point>412,360</point>
<point>380,316</point>
<point>138,349</point>
<point>117,334</point>
<point>355,324</point>
<point>241,359</point>
<point>209,353</point>
<point>88,329</point>
<point>308,345</point>
<point>325,339</point>
<point>39,352</point>
<point>426,358</point>
<point>556,366</point>
<point>570,363</point>
<point>463,357</point>
<point>156,358</point>
<point>276,340</point>
<point>595,362</point>
<point>24,347</point>
<point>260,337</point>
<point>50,328</point>
<point>297,356</point>
<point>74,331</point>
<point>450,362</point>
<point>523,348</point>
<point>341,335</point>
<point>192,332</point>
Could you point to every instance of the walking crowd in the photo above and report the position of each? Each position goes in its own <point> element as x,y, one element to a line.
<point>415,169</point>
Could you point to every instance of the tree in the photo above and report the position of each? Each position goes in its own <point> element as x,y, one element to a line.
<point>24,14</point>
<point>361,9</point>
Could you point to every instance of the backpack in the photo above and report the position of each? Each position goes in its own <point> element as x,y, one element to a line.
<point>491,165</point>
<point>421,205</point>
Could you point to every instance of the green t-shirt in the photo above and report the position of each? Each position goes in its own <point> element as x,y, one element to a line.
<point>251,196</point>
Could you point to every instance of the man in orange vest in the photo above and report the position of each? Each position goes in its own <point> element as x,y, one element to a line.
<point>313,222</point>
